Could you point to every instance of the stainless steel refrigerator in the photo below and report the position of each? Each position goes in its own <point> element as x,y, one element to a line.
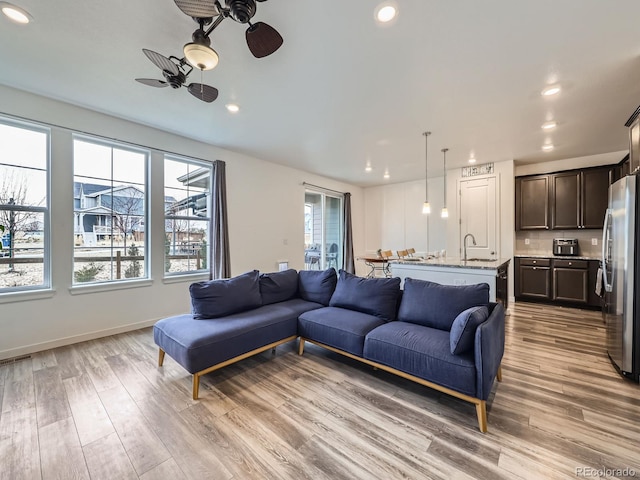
<point>620,257</point>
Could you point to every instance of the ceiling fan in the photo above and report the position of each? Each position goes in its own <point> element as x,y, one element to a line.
<point>175,71</point>
<point>262,39</point>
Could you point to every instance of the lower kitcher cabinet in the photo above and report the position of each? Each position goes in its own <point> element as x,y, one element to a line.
<point>568,282</point>
<point>571,281</point>
<point>533,278</point>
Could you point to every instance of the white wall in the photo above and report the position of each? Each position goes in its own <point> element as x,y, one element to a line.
<point>266,225</point>
<point>394,219</point>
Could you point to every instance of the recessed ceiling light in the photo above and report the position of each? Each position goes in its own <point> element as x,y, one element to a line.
<point>368,168</point>
<point>386,175</point>
<point>549,125</point>
<point>16,14</point>
<point>551,90</point>
<point>385,12</point>
<point>472,160</point>
<point>232,107</point>
<point>547,147</point>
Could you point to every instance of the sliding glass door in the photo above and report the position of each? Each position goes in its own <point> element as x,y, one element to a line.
<point>323,233</point>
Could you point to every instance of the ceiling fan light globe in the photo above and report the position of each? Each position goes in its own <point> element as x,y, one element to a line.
<point>201,56</point>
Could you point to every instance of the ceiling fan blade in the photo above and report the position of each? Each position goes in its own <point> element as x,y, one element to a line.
<point>206,93</point>
<point>198,8</point>
<point>162,62</point>
<point>263,39</point>
<point>152,82</point>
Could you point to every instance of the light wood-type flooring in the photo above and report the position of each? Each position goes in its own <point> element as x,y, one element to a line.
<point>104,410</point>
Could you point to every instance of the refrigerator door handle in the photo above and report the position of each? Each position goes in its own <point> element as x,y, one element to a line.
<point>605,247</point>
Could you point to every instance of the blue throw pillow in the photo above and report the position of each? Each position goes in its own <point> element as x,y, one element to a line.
<point>217,298</point>
<point>278,286</point>
<point>317,286</point>
<point>375,296</point>
<point>463,329</point>
<point>434,305</point>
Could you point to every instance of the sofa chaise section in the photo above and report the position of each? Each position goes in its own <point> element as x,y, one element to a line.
<point>229,321</point>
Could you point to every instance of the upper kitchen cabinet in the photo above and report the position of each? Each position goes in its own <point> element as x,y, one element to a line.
<point>532,202</point>
<point>595,196</point>
<point>570,200</point>
<point>565,200</point>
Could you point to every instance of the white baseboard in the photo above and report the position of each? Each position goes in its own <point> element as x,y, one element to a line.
<point>61,342</point>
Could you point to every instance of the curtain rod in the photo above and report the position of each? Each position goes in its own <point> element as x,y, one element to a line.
<point>322,188</point>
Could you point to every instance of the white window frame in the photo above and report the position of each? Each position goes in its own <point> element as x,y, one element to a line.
<point>109,284</point>
<point>201,164</point>
<point>45,210</point>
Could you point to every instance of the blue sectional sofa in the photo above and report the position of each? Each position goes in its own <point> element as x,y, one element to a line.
<point>448,338</point>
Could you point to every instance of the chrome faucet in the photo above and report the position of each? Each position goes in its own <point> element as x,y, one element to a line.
<point>464,241</point>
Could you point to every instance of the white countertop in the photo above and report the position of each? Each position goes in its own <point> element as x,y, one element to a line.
<point>455,262</point>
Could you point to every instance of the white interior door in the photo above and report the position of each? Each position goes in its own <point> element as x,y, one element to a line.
<point>478,216</point>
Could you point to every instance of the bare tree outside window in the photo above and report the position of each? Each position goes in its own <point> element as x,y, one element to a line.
<point>127,205</point>
<point>13,191</point>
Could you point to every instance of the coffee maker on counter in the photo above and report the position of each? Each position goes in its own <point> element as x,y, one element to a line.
<point>566,246</point>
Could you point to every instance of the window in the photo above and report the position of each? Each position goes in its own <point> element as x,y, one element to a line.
<point>187,199</point>
<point>24,206</point>
<point>110,211</point>
<point>323,230</point>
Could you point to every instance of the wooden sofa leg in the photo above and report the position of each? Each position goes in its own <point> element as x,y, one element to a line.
<point>481,410</point>
<point>499,374</point>
<point>301,346</point>
<point>196,385</point>
<point>160,357</point>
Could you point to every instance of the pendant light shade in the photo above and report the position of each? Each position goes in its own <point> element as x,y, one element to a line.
<point>444,213</point>
<point>426,207</point>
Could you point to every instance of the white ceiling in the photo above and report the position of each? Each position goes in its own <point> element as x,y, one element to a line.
<point>343,90</point>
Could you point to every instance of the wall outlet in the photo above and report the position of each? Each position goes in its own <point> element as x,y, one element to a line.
<point>527,241</point>
<point>283,265</point>
<point>594,241</point>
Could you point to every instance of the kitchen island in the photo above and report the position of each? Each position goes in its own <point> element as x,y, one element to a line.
<point>456,271</point>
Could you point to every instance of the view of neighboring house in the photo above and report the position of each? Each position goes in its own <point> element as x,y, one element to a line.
<point>101,210</point>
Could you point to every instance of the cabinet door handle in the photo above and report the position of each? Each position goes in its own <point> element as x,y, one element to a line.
<point>570,263</point>
<point>535,268</point>
<point>535,261</point>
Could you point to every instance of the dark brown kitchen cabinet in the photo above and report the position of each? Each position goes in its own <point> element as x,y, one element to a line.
<point>595,196</point>
<point>559,281</point>
<point>533,278</point>
<point>532,203</point>
<point>570,281</point>
<point>570,200</point>
<point>565,200</point>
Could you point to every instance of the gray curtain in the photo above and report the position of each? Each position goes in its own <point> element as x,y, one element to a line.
<point>348,260</point>
<point>220,264</point>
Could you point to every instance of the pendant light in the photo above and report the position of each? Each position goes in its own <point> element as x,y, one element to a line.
<point>426,208</point>
<point>445,213</point>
